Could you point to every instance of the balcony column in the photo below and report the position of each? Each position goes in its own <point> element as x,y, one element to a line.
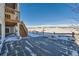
<point>3,30</point>
<point>18,30</point>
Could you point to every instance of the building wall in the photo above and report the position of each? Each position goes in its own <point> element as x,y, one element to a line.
<point>11,29</point>
<point>14,14</point>
<point>0,29</point>
<point>18,14</point>
<point>13,17</point>
<point>2,12</point>
<point>2,21</point>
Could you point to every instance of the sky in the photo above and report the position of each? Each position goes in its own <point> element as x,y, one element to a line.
<point>48,13</point>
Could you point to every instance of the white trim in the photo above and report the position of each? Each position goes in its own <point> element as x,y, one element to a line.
<point>18,29</point>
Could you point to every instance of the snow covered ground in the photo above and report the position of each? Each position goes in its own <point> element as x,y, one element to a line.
<point>33,35</point>
<point>37,44</point>
<point>11,38</point>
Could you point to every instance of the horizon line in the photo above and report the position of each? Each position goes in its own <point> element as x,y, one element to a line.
<point>53,25</point>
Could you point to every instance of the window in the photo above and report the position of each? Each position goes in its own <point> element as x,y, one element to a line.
<point>6,30</point>
<point>11,5</point>
<point>9,11</point>
<point>7,16</point>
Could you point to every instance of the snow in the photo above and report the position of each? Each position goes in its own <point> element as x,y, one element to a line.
<point>74,53</point>
<point>14,38</point>
<point>33,35</point>
<point>0,46</point>
<point>65,38</point>
<point>44,43</point>
<point>49,44</point>
<point>33,54</point>
<point>55,36</point>
<point>5,54</point>
<point>29,43</point>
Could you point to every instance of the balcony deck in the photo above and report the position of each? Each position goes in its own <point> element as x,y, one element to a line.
<point>10,22</point>
<point>10,10</point>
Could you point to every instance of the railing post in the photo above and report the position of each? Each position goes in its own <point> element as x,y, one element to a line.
<point>18,29</point>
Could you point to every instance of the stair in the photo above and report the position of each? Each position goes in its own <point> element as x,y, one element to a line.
<point>23,30</point>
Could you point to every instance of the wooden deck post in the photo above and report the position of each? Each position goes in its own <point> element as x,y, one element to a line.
<point>18,24</point>
<point>3,31</point>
